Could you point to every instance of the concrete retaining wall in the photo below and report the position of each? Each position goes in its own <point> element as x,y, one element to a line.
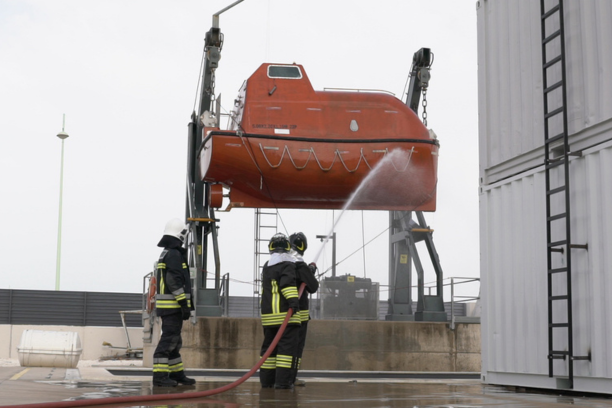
<point>234,343</point>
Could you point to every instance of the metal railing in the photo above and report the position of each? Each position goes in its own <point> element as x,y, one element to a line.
<point>453,282</point>
<point>460,299</point>
<point>224,294</point>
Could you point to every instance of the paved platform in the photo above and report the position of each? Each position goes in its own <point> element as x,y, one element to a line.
<point>26,385</point>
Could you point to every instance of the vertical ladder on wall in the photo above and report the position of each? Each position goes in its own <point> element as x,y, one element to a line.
<point>266,225</point>
<point>556,159</point>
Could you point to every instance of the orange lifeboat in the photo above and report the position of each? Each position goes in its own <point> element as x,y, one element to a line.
<point>290,146</point>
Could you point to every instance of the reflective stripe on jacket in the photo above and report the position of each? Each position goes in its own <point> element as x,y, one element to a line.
<point>278,289</point>
<point>173,282</point>
<point>304,274</point>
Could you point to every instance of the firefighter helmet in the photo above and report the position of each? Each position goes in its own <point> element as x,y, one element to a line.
<point>298,242</point>
<point>279,243</point>
<point>176,228</point>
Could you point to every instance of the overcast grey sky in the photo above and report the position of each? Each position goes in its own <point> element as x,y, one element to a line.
<point>125,74</point>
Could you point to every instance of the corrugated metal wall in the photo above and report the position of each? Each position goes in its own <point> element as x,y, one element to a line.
<point>39,307</point>
<point>247,306</point>
<point>589,60</point>
<point>513,270</point>
<point>513,278</point>
<point>512,199</point>
<point>42,307</point>
<point>510,81</point>
<point>592,268</point>
<point>510,122</point>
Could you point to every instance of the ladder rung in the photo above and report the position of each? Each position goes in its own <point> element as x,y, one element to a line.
<point>554,113</point>
<point>551,37</point>
<point>554,164</point>
<point>558,325</point>
<point>552,62</point>
<point>550,12</point>
<point>557,270</point>
<point>267,226</point>
<point>553,87</point>
<point>556,190</point>
<point>559,297</point>
<point>557,217</point>
<point>556,250</point>
<point>556,159</point>
<point>555,138</point>
<point>558,355</point>
<point>557,243</point>
<point>562,158</point>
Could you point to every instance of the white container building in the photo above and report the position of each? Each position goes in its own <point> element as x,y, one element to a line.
<point>530,337</point>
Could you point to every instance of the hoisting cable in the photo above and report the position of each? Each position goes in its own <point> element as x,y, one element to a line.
<point>363,244</point>
<point>165,397</point>
<point>199,77</point>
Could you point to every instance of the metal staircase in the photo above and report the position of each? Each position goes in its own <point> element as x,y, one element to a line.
<point>557,155</point>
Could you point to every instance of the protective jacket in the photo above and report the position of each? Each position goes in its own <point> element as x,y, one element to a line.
<point>279,293</point>
<point>173,280</point>
<point>305,273</point>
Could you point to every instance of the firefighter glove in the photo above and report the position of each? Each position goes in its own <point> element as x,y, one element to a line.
<point>185,310</point>
<point>294,306</point>
<point>313,267</point>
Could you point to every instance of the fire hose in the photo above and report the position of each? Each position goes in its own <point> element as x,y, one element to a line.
<point>164,397</point>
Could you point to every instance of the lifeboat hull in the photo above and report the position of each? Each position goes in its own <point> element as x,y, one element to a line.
<point>270,171</point>
<point>290,146</point>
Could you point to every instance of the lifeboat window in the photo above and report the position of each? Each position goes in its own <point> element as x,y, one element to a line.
<point>284,71</point>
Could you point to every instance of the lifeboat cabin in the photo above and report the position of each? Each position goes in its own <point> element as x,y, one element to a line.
<point>290,146</point>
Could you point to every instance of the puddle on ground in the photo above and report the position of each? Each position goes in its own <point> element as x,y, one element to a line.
<point>349,394</point>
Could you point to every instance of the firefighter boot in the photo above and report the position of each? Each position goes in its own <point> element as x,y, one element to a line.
<point>267,377</point>
<point>161,379</point>
<point>181,378</point>
<point>284,378</point>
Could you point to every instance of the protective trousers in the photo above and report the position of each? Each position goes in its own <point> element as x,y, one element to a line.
<point>167,357</point>
<point>279,368</point>
<point>300,349</point>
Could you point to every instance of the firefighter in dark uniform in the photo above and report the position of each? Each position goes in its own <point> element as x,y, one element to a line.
<point>304,274</point>
<point>173,305</point>
<point>279,295</point>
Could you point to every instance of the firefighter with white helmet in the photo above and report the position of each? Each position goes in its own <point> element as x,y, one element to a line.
<point>304,274</point>
<point>279,295</point>
<point>173,303</point>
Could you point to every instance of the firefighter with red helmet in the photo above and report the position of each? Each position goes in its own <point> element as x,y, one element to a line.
<point>279,295</point>
<point>173,304</point>
<point>304,274</point>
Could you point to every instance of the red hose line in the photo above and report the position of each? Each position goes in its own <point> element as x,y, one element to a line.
<point>163,397</point>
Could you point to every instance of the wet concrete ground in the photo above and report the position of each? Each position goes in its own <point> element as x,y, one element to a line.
<point>22,385</point>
